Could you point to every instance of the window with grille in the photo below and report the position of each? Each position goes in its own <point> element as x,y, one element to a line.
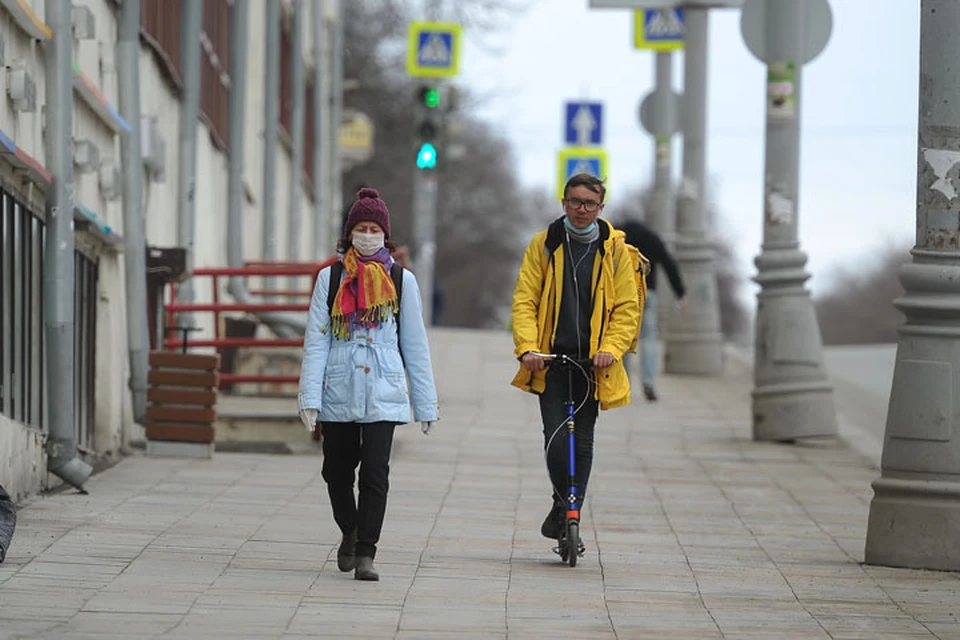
<point>22,364</point>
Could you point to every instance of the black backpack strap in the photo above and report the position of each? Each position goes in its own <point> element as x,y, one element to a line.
<point>554,236</point>
<point>336,272</point>
<point>605,230</point>
<point>396,274</point>
<point>553,239</point>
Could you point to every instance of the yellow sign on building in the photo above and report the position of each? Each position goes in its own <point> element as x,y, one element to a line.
<point>356,136</point>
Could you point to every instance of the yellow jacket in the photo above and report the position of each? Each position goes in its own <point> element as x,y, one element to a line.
<point>614,320</point>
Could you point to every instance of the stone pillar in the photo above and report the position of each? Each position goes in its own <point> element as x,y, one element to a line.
<point>915,512</point>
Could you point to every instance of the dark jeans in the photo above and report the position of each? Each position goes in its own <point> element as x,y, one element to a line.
<point>345,446</point>
<point>553,411</point>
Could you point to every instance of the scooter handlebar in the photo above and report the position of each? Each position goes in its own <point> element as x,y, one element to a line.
<point>564,359</point>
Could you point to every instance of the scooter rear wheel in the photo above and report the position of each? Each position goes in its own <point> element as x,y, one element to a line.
<point>573,542</point>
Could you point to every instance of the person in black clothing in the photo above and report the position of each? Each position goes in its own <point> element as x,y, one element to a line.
<point>651,245</point>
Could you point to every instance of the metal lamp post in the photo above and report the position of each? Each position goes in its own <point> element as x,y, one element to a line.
<point>792,395</point>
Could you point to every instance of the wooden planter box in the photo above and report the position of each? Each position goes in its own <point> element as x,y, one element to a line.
<point>182,397</point>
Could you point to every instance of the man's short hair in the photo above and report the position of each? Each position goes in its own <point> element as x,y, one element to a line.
<point>593,183</point>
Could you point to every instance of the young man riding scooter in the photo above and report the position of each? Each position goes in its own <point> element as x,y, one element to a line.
<point>576,295</point>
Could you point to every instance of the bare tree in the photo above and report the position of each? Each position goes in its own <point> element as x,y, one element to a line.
<point>484,214</point>
<point>483,228</point>
<point>858,308</point>
<point>481,16</point>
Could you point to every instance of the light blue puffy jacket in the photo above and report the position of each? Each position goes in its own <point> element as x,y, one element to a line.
<point>362,379</point>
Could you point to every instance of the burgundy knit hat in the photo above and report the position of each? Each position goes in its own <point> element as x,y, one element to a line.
<point>368,207</point>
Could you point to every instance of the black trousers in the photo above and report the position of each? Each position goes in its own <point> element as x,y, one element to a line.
<point>553,412</point>
<point>347,445</point>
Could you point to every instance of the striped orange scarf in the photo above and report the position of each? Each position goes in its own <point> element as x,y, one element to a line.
<point>367,296</point>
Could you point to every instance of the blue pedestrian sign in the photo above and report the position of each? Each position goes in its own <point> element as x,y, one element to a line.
<point>659,29</point>
<point>433,49</point>
<point>574,160</point>
<point>583,123</point>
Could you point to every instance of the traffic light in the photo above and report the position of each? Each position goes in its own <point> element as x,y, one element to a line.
<point>429,96</point>
<point>427,156</point>
<point>428,126</point>
<point>427,129</point>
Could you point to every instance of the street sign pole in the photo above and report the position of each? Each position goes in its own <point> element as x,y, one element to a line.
<point>694,344</point>
<point>336,117</point>
<point>661,30</point>
<point>663,203</point>
<point>915,511</point>
<point>424,224</point>
<point>429,148</point>
<point>658,116</point>
<point>792,394</point>
<point>433,51</point>
<point>663,219</point>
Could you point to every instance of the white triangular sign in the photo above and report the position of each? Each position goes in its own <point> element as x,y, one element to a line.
<point>583,166</point>
<point>435,51</point>
<point>665,24</point>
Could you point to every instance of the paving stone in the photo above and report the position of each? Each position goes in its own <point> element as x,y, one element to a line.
<point>692,531</point>
<point>103,623</point>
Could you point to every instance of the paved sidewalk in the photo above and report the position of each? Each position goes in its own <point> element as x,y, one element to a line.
<point>692,531</point>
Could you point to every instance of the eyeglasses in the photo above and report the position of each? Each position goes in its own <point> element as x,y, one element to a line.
<point>575,203</point>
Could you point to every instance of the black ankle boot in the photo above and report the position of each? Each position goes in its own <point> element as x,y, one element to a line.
<point>554,522</point>
<point>345,555</point>
<point>364,569</point>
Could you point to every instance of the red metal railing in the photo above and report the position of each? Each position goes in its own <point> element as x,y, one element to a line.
<point>283,293</point>
<point>219,308</point>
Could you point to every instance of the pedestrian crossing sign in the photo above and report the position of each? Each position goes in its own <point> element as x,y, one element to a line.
<point>433,49</point>
<point>574,160</point>
<point>659,29</point>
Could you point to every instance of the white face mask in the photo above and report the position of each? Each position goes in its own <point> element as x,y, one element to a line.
<point>367,244</point>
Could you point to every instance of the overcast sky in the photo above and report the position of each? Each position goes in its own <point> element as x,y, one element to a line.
<point>858,117</point>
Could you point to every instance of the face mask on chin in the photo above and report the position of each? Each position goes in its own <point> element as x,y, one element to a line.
<point>367,244</point>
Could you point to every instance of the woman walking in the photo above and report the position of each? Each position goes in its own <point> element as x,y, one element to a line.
<point>360,338</point>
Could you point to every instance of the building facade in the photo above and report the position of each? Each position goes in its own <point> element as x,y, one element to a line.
<point>104,420</point>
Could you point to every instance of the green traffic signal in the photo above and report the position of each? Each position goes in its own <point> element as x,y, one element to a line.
<point>427,156</point>
<point>430,96</point>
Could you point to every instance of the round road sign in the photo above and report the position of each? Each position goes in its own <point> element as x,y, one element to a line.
<point>753,26</point>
